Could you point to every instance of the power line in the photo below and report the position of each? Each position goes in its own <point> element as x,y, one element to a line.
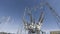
<point>54,14</point>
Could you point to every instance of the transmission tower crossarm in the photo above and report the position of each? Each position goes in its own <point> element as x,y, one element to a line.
<point>23,19</point>
<point>30,15</point>
<point>24,22</point>
<point>41,18</point>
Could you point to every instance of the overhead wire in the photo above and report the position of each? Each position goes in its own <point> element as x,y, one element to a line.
<point>54,13</point>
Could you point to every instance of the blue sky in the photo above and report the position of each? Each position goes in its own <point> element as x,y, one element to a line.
<point>11,12</point>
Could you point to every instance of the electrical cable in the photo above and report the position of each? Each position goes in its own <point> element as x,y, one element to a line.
<point>54,14</point>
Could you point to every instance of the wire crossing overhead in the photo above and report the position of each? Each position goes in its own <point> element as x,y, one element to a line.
<point>53,12</point>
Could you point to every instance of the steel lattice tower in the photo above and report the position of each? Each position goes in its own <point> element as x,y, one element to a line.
<point>33,27</point>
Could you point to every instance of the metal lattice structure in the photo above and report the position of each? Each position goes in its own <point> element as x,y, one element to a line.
<point>33,27</point>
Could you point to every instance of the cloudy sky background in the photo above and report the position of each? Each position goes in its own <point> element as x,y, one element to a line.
<point>11,12</point>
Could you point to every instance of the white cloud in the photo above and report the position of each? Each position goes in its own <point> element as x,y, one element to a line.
<point>9,24</point>
<point>6,20</point>
<point>6,24</point>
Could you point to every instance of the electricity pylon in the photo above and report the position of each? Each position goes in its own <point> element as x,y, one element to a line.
<point>34,27</point>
